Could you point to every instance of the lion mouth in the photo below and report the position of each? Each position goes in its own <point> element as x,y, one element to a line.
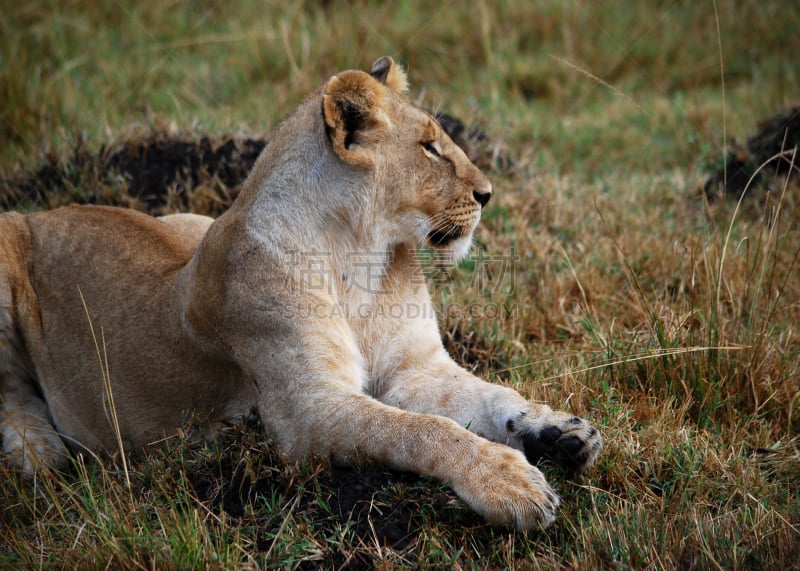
<point>443,238</point>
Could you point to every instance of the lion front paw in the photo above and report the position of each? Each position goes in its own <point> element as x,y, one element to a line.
<point>569,441</point>
<point>505,489</point>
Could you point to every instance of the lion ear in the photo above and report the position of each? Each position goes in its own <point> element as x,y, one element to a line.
<point>390,74</point>
<point>353,109</point>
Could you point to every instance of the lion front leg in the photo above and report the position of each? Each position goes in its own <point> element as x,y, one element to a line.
<point>498,413</point>
<point>312,401</point>
<point>494,480</point>
<point>310,380</point>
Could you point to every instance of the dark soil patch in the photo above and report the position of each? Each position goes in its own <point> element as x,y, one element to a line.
<point>158,173</point>
<point>777,135</point>
<point>241,474</point>
<point>150,166</point>
<point>384,504</point>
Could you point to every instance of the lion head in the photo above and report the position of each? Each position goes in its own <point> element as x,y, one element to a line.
<point>431,192</point>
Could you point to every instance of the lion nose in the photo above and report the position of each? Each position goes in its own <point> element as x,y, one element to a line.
<point>482,196</point>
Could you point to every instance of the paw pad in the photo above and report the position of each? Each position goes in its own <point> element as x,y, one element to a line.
<point>571,452</point>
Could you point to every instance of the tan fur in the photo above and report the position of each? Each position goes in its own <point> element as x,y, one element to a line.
<point>194,226</point>
<point>283,305</point>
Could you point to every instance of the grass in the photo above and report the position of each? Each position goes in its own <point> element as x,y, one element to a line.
<point>671,322</point>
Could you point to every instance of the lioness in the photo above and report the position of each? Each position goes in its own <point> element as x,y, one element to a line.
<point>280,305</point>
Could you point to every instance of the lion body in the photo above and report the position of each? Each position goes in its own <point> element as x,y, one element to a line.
<point>118,326</point>
<point>158,375</point>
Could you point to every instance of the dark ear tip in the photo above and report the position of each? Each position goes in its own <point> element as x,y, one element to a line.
<point>381,67</point>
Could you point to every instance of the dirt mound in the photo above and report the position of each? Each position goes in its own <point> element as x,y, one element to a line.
<point>159,163</point>
<point>244,477</point>
<point>774,143</point>
<point>159,172</point>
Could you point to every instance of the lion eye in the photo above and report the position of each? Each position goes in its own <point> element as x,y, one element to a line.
<point>431,148</point>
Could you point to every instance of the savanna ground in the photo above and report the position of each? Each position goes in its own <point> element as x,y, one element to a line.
<point>607,284</point>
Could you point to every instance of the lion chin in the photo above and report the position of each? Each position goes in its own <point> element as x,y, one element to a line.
<point>215,318</point>
<point>456,242</point>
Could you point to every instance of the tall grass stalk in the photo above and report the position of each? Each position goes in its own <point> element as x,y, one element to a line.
<point>109,407</point>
